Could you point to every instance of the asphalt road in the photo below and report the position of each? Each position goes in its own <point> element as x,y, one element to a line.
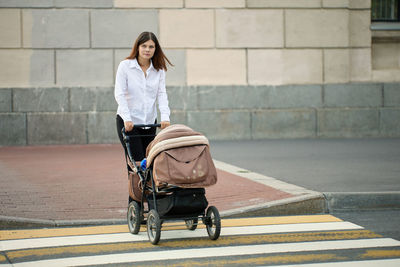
<point>383,222</point>
<point>324,165</point>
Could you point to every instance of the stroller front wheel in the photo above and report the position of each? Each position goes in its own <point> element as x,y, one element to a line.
<point>191,224</point>
<point>153,227</point>
<point>213,223</point>
<point>134,218</point>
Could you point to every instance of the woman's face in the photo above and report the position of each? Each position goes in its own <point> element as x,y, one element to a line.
<point>147,49</point>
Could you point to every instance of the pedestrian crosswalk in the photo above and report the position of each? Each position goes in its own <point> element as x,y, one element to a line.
<point>314,240</point>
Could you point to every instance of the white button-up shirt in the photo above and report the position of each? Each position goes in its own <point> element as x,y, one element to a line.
<point>137,94</point>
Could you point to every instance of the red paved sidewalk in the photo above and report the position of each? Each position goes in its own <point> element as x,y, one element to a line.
<point>85,182</point>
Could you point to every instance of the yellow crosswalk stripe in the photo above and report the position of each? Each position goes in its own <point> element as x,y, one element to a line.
<point>110,229</point>
<point>195,243</point>
<point>278,259</point>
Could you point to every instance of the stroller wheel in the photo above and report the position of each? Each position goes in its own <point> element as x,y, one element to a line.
<point>213,223</point>
<point>191,224</point>
<point>134,218</point>
<point>153,227</point>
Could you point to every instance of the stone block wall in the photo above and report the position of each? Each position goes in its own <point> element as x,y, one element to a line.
<point>244,69</point>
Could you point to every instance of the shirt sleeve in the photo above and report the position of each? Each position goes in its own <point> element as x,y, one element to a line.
<point>162,99</point>
<point>120,90</point>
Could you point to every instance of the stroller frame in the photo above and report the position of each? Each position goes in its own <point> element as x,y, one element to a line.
<point>136,210</point>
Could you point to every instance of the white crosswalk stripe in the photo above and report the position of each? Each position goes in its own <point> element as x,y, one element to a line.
<point>215,252</point>
<point>351,237</point>
<point>168,235</point>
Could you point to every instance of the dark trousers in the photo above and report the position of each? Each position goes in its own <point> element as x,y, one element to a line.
<point>138,144</point>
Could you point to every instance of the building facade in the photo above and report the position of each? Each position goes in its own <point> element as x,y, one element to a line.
<point>243,69</point>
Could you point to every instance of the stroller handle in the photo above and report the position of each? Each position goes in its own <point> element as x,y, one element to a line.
<point>125,134</point>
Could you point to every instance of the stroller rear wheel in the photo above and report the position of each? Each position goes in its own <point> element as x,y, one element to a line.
<point>213,223</point>
<point>191,224</point>
<point>134,218</point>
<point>153,227</point>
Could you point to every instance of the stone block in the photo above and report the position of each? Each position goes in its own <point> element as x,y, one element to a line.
<point>120,28</point>
<point>360,28</point>
<point>360,62</point>
<point>391,95</point>
<point>317,28</point>
<point>256,97</point>
<point>349,123</point>
<point>176,75</point>
<point>42,28</point>
<point>294,96</point>
<point>230,97</point>
<point>85,67</point>
<point>384,56</point>
<point>5,100</point>
<point>335,3</point>
<point>26,67</point>
<point>26,3</point>
<point>102,128</point>
<point>40,99</point>
<point>178,117</point>
<point>221,125</point>
<point>336,65</point>
<point>10,28</point>
<point>228,68</point>
<point>283,124</point>
<point>119,55</point>
<point>215,3</point>
<point>386,75</point>
<point>360,4</point>
<point>277,67</point>
<point>283,3</point>
<point>12,129</point>
<point>353,95</point>
<point>148,3</point>
<point>390,122</point>
<point>182,97</point>
<point>181,28</point>
<point>263,28</point>
<point>84,3</point>
<point>92,99</point>
<point>56,128</point>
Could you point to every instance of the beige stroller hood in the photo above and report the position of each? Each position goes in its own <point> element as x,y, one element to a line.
<point>181,157</point>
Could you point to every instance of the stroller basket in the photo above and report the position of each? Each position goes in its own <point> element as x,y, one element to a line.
<point>180,202</point>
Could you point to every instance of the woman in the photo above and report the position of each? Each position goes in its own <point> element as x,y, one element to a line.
<point>139,84</point>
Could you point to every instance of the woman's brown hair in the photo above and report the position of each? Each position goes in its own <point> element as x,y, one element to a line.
<point>159,59</point>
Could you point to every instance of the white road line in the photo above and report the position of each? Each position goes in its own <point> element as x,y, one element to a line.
<point>368,263</point>
<point>214,252</point>
<point>174,234</point>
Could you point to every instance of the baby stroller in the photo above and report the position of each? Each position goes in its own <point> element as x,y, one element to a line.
<point>171,180</point>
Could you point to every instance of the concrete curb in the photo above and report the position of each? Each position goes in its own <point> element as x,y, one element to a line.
<point>352,201</point>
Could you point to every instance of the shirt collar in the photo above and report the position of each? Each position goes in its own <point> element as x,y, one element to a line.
<point>135,64</point>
